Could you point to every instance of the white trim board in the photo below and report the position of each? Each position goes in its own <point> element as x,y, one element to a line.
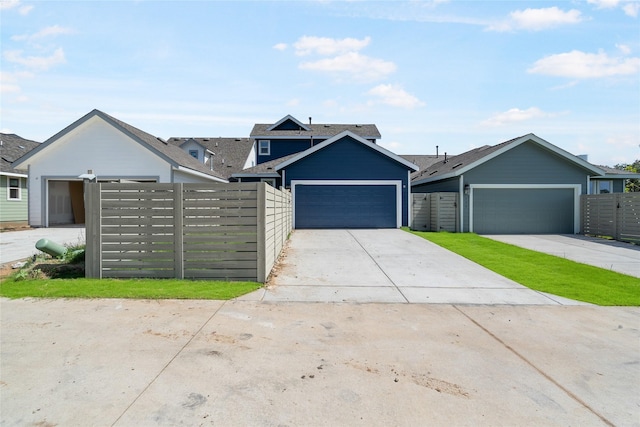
<point>577,190</point>
<point>397,183</point>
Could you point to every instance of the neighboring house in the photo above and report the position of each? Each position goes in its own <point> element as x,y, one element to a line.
<point>289,136</point>
<point>525,185</point>
<point>225,156</point>
<point>13,182</point>
<point>337,180</point>
<point>102,148</point>
<point>613,181</point>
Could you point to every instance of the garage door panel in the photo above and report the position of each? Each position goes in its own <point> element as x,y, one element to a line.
<point>345,206</point>
<point>523,211</point>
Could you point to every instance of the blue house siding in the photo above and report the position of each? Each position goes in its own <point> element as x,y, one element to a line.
<point>284,147</point>
<point>349,159</point>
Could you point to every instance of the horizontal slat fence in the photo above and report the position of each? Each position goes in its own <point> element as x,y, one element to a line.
<point>192,231</point>
<point>615,215</point>
<point>434,211</point>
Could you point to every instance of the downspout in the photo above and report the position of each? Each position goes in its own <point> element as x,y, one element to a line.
<point>409,201</point>
<point>461,204</point>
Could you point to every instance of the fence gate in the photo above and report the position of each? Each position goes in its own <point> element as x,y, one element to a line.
<point>614,215</point>
<point>434,212</point>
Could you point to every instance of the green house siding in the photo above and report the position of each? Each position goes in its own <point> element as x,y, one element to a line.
<point>13,210</point>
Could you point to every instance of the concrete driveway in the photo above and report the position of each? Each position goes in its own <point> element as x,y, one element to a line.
<point>390,266</point>
<point>608,254</point>
<point>18,245</point>
<point>240,363</point>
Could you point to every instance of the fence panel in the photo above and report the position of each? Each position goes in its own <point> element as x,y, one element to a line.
<point>195,231</point>
<point>615,215</point>
<point>421,212</point>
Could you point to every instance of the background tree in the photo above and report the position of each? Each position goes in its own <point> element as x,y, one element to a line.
<point>631,185</point>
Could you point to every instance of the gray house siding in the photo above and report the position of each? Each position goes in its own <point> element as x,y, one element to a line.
<point>447,185</point>
<point>527,163</point>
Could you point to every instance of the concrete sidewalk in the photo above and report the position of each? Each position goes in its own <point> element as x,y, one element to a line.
<point>19,245</point>
<point>386,265</point>
<point>168,363</point>
<point>608,254</point>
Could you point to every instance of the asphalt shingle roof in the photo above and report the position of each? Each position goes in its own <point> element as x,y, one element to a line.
<point>366,131</point>
<point>230,154</point>
<point>12,148</point>
<point>179,156</point>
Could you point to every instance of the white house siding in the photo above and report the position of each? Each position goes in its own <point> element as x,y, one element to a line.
<point>187,178</point>
<point>93,145</point>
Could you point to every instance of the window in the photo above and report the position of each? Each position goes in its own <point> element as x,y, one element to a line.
<point>264,147</point>
<point>14,189</point>
<point>601,186</point>
<point>193,153</point>
<point>270,181</point>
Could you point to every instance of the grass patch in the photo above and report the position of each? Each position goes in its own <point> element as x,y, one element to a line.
<point>543,272</point>
<point>125,288</point>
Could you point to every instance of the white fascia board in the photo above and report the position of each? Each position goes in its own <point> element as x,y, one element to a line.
<point>15,175</point>
<point>289,117</point>
<point>434,178</point>
<point>529,137</point>
<point>256,175</point>
<point>341,135</point>
<point>199,174</point>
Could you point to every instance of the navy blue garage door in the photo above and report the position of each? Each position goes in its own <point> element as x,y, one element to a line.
<point>345,206</point>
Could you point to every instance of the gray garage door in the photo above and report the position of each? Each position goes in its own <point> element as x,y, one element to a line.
<point>345,206</point>
<point>523,211</point>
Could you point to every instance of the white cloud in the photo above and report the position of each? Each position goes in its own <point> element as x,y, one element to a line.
<point>604,4</point>
<point>15,4</point>
<point>280,46</point>
<point>515,115</point>
<point>538,19</point>
<point>353,65</point>
<point>629,7</point>
<point>395,96</point>
<point>38,63</point>
<point>293,102</point>
<point>624,49</point>
<point>326,46</point>
<point>45,32</point>
<point>578,64</point>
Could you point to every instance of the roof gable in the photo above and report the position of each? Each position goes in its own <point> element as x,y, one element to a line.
<point>288,122</point>
<point>340,136</point>
<point>173,155</point>
<point>460,164</point>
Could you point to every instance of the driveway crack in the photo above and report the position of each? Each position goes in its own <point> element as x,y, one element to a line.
<point>167,364</point>
<point>378,265</point>
<point>537,369</point>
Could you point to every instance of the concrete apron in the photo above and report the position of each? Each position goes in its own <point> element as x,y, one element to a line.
<point>387,266</point>
<point>168,363</point>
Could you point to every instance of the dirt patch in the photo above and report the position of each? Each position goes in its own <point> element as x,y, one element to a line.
<point>44,268</point>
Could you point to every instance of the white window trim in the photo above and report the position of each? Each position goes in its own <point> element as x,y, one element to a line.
<point>268,151</point>
<point>397,183</point>
<point>9,187</point>
<point>577,190</point>
<point>597,182</point>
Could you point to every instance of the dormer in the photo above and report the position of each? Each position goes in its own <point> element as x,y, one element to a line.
<point>289,122</point>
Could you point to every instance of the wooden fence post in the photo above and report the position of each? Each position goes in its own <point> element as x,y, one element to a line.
<point>262,238</point>
<point>178,235</point>
<point>93,221</point>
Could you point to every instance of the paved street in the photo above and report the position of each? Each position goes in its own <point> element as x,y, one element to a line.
<point>168,363</point>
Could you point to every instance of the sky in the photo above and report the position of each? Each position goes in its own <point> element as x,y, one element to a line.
<point>452,74</point>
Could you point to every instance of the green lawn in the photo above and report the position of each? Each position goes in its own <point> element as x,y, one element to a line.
<point>125,288</point>
<point>543,272</point>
